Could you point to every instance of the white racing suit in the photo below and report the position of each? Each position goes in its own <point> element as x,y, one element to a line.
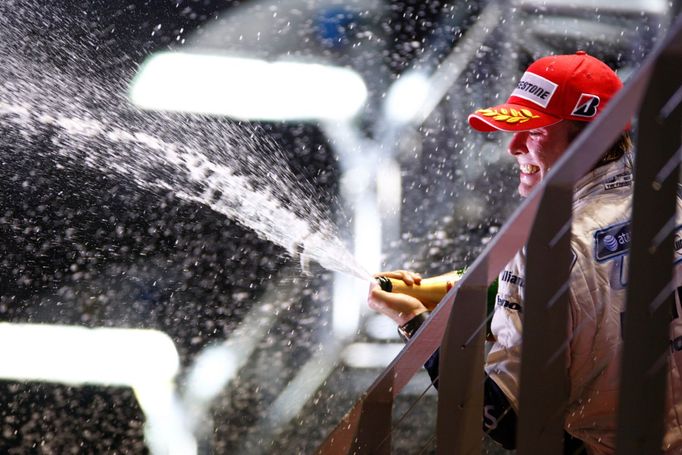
<point>600,244</point>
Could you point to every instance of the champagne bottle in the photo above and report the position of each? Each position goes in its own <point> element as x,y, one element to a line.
<point>429,291</point>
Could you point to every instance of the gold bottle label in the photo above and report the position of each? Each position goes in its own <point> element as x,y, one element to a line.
<point>430,291</point>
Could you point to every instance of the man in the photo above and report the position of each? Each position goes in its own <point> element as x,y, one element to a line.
<point>555,98</point>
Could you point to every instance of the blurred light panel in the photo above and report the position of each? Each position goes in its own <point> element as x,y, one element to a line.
<point>145,360</point>
<point>406,97</point>
<point>350,294</point>
<point>247,89</point>
<point>371,355</point>
<point>78,355</point>
<point>642,6</point>
<point>213,368</point>
<point>381,327</point>
<point>347,300</point>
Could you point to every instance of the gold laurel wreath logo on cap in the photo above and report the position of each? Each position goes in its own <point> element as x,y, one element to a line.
<point>508,115</point>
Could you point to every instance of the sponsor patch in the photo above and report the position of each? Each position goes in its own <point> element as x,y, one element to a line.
<point>535,88</point>
<point>586,106</point>
<point>509,277</point>
<point>618,181</point>
<point>612,242</point>
<point>507,304</point>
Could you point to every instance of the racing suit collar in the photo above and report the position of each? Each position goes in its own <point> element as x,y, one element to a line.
<point>616,173</point>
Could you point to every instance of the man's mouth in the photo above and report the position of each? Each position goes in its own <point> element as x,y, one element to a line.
<point>529,168</point>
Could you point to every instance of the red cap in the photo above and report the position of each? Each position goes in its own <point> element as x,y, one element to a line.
<point>554,88</point>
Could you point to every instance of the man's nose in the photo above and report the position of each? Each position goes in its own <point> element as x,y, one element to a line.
<point>517,146</point>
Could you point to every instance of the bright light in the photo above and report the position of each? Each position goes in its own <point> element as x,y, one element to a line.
<point>213,368</point>
<point>350,293</point>
<point>78,355</point>
<point>389,188</point>
<point>406,97</point>
<point>371,355</point>
<point>145,360</point>
<point>346,305</point>
<point>247,89</point>
<point>381,327</point>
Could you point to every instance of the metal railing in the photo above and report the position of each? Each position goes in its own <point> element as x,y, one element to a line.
<point>458,323</point>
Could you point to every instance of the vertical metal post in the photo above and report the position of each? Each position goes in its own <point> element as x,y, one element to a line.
<point>649,295</point>
<point>374,426</point>
<point>544,381</point>
<point>460,394</point>
<point>366,429</point>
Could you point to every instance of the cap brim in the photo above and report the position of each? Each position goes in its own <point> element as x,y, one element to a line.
<point>511,118</point>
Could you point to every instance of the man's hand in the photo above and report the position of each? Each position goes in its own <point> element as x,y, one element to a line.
<point>410,278</point>
<point>399,307</point>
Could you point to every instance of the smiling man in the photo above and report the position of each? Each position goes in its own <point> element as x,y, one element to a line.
<point>573,90</point>
<point>555,99</point>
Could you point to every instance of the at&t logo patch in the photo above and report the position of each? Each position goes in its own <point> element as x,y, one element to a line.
<point>612,242</point>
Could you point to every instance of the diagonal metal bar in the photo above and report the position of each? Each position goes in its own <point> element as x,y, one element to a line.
<point>672,164</point>
<point>643,374</point>
<point>673,103</point>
